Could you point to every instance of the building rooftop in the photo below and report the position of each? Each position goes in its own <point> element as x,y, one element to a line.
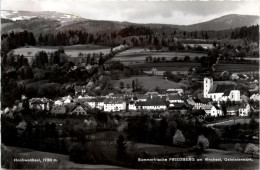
<point>175,97</point>
<point>226,93</point>
<point>113,101</point>
<point>222,88</point>
<point>153,102</point>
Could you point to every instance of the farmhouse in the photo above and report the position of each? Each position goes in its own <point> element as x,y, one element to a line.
<point>220,92</point>
<point>244,109</point>
<point>255,97</point>
<point>155,72</point>
<point>215,111</point>
<point>131,105</point>
<point>112,105</point>
<point>96,103</point>
<point>207,108</point>
<point>40,103</point>
<point>79,110</point>
<point>58,103</point>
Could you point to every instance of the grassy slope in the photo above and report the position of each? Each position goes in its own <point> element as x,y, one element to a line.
<point>149,82</point>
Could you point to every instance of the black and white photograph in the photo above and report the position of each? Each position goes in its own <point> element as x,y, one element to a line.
<point>129,84</point>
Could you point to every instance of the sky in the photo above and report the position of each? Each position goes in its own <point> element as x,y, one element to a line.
<point>138,11</point>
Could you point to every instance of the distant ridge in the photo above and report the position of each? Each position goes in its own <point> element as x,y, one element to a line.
<point>56,21</point>
<point>224,23</point>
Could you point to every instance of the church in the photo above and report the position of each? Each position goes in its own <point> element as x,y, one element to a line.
<point>220,92</point>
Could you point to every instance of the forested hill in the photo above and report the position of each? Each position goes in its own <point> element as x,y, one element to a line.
<point>49,21</point>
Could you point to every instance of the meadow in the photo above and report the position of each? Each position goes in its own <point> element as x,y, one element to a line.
<point>169,66</point>
<point>145,81</point>
<point>236,67</point>
<point>71,51</point>
<point>205,46</point>
<point>138,55</point>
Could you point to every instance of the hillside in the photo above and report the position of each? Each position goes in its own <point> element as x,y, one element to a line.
<point>49,21</point>
<point>224,23</point>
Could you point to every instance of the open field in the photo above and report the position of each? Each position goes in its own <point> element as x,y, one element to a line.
<point>236,67</point>
<point>170,66</point>
<point>205,46</point>
<point>137,55</point>
<point>71,51</point>
<point>222,82</point>
<point>149,82</point>
<point>173,67</point>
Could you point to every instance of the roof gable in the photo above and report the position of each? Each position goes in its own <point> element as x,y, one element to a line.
<point>222,88</point>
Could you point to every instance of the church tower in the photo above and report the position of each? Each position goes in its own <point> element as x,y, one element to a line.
<point>208,83</point>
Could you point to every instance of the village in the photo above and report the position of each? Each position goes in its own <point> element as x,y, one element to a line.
<point>217,101</point>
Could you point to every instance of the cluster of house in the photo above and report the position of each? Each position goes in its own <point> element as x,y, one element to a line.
<point>172,99</point>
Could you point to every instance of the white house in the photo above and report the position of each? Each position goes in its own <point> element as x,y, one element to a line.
<point>58,103</point>
<point>79,110</point>
<point>215,111</point>
<point>153,104</point>
<point>67,101</point>
<point>132,106</point>
<point>112,105</point>
<point>244,109</point>
<point>222,92</point>
<point>255,97</point>
<point>97,103</point>
<point>207,108</point>
<point>100,103</point>
<point>91,103</point>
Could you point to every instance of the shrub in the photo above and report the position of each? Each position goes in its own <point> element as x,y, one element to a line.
<point>203,142</point>
<point>238,147</point>
<point>251,149</point>
<point>178,138</point>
